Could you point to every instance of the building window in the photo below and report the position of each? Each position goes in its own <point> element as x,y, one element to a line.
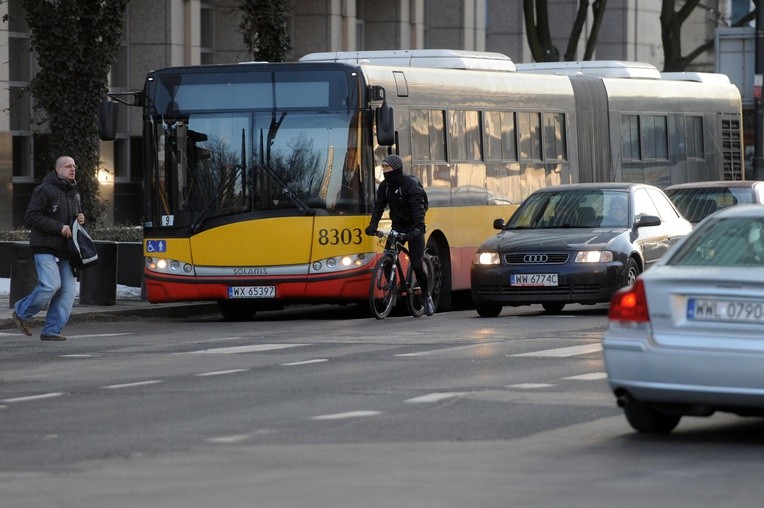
<point>20,72</point>
<point>207,33</point>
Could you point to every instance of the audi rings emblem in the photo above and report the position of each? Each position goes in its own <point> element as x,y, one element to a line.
<point>535,258</point>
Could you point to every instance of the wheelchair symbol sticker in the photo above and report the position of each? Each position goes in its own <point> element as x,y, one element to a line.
<point>156,246</point>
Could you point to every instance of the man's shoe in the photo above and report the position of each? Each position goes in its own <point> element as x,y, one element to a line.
<point>52,337</point>
<point>21,325</point>
<point>429,307</point>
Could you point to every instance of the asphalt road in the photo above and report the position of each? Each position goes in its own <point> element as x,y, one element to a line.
<point>324,407</point>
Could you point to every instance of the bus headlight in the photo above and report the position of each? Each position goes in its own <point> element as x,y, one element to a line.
<point>340,263</point>
<point>162,265</point>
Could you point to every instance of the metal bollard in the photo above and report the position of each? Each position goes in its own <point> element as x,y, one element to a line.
<point>23,272</point>
<point>98,284</point>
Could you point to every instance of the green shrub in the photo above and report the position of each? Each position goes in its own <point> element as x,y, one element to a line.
<point>114,234</point>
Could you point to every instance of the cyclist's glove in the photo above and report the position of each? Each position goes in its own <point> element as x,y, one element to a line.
<point>370,230</point>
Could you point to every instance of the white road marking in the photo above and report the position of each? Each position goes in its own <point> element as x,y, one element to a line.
<point>530,386</point>
<point>253,348</point>
<point>131,385</point>
<point>592,376</point>
<point>564,351</point>
<point>304,362</point>
<point>33,397</point>
<point>221,372</point>
<point>447,350</point>
<point>435,397</point>
<point>349,414</point>
<point>237,438</point>
<point>75,356</point>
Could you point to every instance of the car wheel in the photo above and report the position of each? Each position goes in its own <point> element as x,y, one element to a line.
<point>487,310</point>
<point>632,271</point>
<point>553,307</point>
<point>643,419</point>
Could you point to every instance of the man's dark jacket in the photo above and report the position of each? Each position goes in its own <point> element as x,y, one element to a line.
<point>54,204</point>
<point>406,202</point>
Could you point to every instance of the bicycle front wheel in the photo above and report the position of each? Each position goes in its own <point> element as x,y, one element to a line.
<point>415,301</point>
<point>383,288</point>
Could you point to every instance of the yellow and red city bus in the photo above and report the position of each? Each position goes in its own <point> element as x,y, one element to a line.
<point>259,178</point>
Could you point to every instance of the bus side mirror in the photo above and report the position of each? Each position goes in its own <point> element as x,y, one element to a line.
<point>385,125</point>
<point>107,120</point>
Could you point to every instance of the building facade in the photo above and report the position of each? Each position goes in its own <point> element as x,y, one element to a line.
<point>164,33</point>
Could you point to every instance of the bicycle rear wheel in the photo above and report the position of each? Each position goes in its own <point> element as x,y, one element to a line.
<point>383,287</point>
<point>416,297</point>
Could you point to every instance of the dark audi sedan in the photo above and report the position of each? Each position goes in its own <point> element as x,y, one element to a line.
<point>576,243</point>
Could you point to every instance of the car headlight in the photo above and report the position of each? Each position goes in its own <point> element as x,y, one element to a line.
<point>594,256</point>
<point>486,258</point>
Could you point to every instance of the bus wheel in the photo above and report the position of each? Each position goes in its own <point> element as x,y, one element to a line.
<point>237,310</point>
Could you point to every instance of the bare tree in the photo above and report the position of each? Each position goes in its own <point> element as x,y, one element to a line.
<point>671,31</point>
<point>536,14</point>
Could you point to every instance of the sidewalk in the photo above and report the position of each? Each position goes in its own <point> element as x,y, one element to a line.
<point>128,303</point>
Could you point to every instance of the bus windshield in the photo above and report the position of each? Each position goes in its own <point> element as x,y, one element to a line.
<point>207,163</point>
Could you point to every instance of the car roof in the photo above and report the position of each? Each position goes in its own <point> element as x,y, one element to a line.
<point>747,210</point>
<point>594,186</point>
<point>716,184</point>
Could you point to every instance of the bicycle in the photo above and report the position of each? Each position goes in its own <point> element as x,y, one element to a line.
<point>389,282</point>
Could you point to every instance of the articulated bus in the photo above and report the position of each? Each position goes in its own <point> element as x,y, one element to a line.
<point>260,177</point>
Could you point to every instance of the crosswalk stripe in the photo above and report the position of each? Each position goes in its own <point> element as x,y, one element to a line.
<point>592,376</point>
<point>564,351</point>
<point>33,397</point>
<point>435,397</point>
<point>252,348</point>
<point>349,414</point>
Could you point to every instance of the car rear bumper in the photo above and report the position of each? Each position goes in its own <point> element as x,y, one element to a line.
<point>720,380</point>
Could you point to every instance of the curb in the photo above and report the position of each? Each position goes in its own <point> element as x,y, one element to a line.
<point>169,311</point>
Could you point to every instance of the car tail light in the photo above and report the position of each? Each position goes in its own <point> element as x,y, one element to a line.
<point>630,304</point>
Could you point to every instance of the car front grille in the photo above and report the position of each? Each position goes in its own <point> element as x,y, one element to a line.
<point>536,258</point>
<point>581,292</point>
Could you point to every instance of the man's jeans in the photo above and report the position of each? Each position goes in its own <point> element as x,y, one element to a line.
<point>55,284</point>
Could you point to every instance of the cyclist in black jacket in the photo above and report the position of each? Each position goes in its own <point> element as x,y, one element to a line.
<point>406,200</point>
<point>54,206</point>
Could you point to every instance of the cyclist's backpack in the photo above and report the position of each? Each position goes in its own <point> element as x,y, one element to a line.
<point>424,193</point>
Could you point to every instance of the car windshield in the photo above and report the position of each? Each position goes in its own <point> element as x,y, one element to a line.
<point>735,241</point>
<point>579,208</point>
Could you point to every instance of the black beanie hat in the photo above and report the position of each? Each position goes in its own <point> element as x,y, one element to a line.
<point>394,162</point>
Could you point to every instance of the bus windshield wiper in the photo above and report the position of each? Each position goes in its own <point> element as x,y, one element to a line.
<point>294,198</point>
<point>204,214</point>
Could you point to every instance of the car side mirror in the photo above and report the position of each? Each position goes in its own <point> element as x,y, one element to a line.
<point>648,220</point>
<point>498,224</point>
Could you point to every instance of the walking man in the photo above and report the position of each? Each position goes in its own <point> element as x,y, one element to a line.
<point>54,205</point>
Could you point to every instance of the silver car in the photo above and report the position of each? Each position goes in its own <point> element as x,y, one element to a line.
<point>687,338</point>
